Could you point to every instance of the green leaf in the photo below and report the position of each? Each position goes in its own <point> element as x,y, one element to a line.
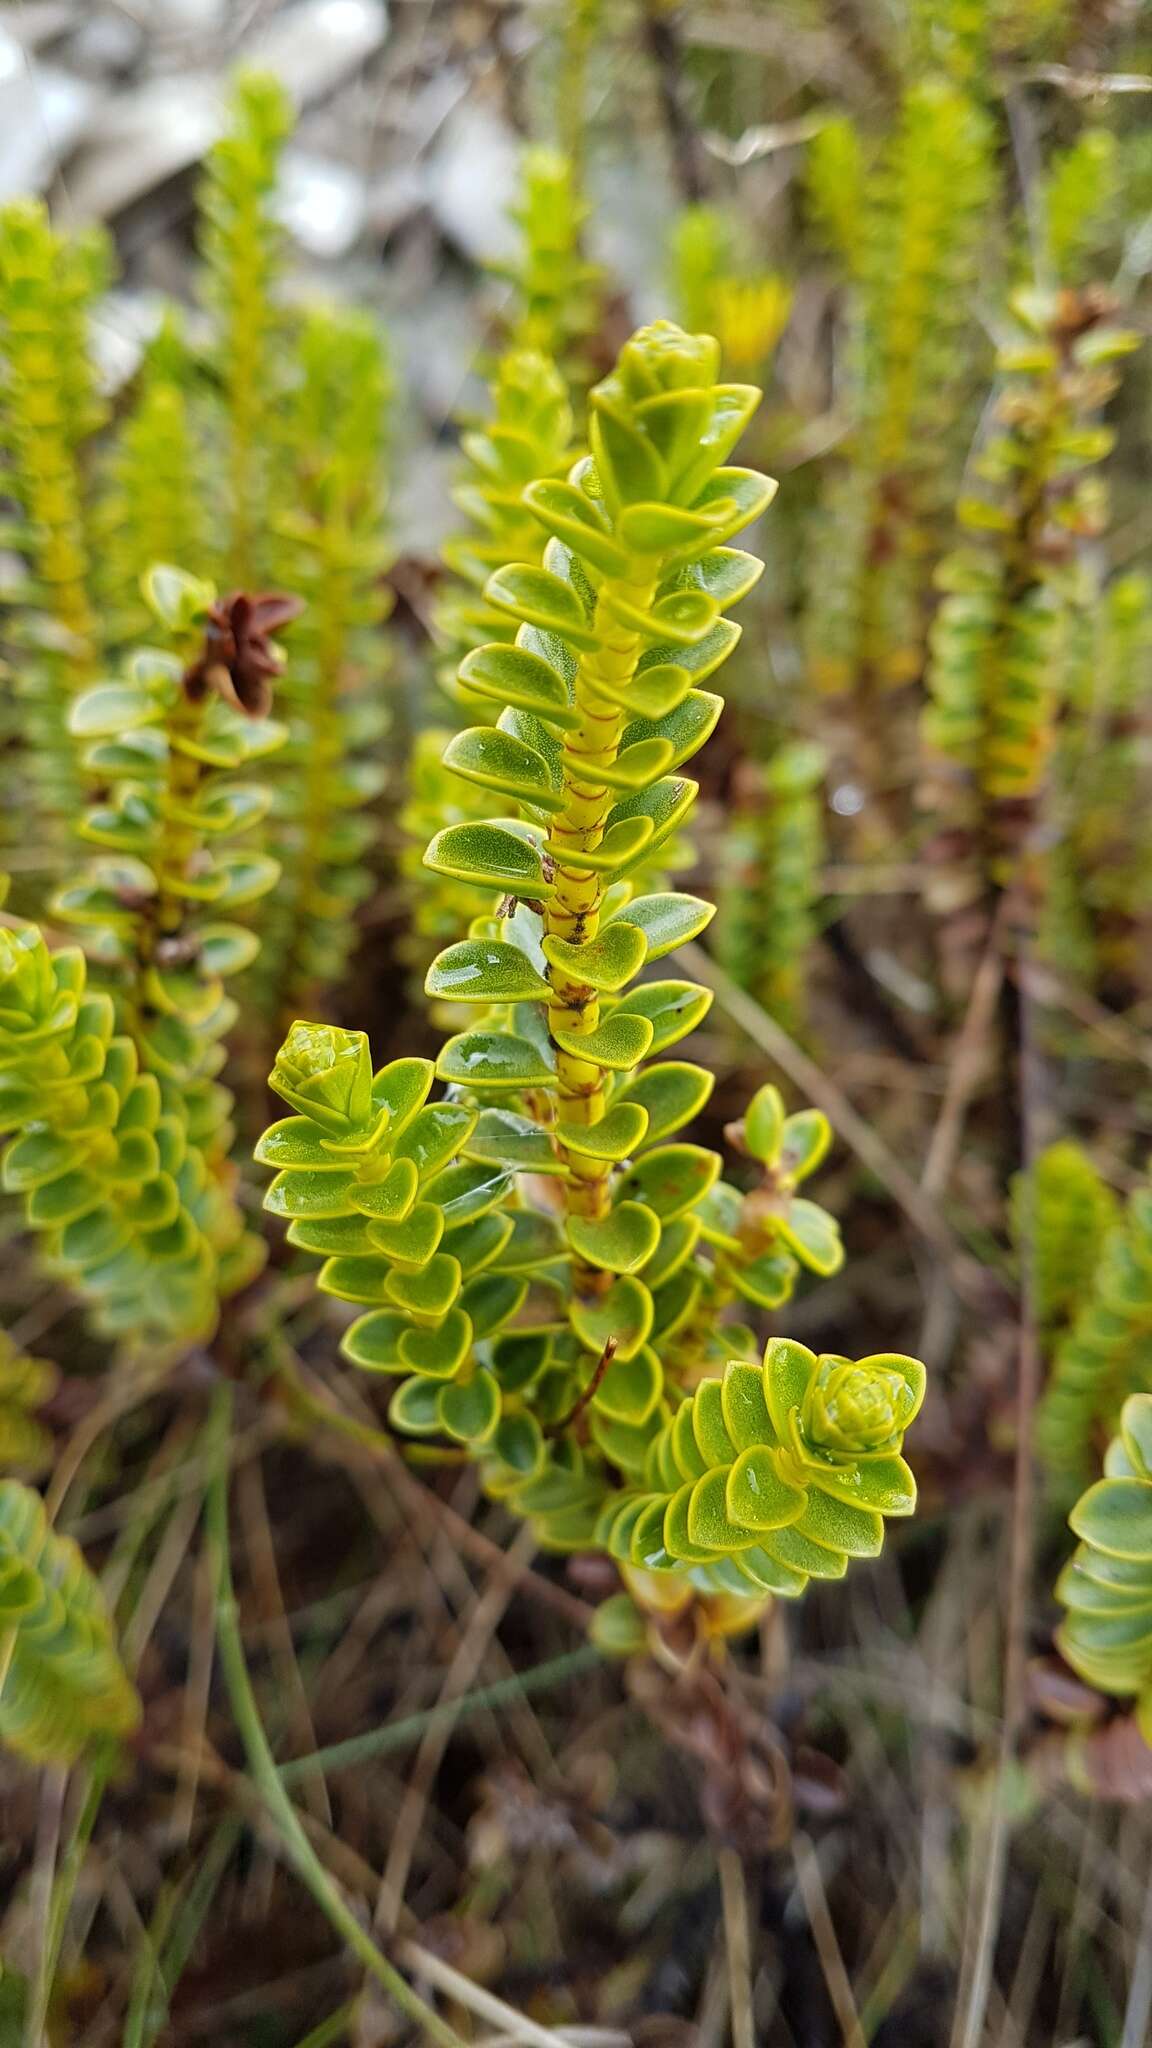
<point>390,1199</point>
<point>622,844</point>
<point>685,728</point>
<point>412,1242</point>
<point>110,710</point>
<point>789,1369</point>
<point>756,1497</point>
<point>677,1243</point>
<point>494,759</point>
<point>415,1408</point>
<point>477,1244</point>
<point>764,1125</point>
<point>671,1179</point>
<point>176,599</point>
<point>493,1059</point>
<point>438,1354</point>
<point>884,1484</point>
<point>624,1312</point>
<point>615,1137</point>
<point>492,1300</point>
<point>653,529</point>
<point>807,1137</point>
<point>506,1139</point>
<point>309,1194</point>
<point>489,857</point>
<point>709,1427</point>
<point>726,575</point>
<point>470,1409</point>
<point>745,1410</point>
<point>672,1008</point>
<point>618,1043</point>
<point>673,1092</point>
<point>767,1280</point>
<point>627,465</point>
<point>618,1628</point>
<point>709,1523</point>
<point>1113,1517</point>
<point>565,511</point>
<point>436,1134</point>
<point>402,1088</point>
<point>620,1242</point>
<point>518,1442</point>
<point>675,1302</point>
<point>245,877</point>
<point>636,766</point>
<point>484,971</point>
<point>605,963</point>
<point>513,675</point>
<point>373,1342</point>
<point>363,1279</point>
<point>533,1240</point>
<point>631,1388</point>
<point>467,1190</point>
<point>813,1235</point>
<point>836,1525</point>
<point>519,1359</point>
<point>681,619</point>
<point>429,1293</point>
<point>667,921</point>
<point>721,1214</point>
<point>538,598</point>
<point>227,949</point>
<point>651,693</point>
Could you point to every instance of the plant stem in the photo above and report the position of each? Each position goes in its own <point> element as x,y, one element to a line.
<point>262,1763</point>
<point>573,914</point>
<point>400,1734</point>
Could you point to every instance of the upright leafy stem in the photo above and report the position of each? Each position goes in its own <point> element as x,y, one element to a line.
<point>544,1271</point>
<point>241,242</point>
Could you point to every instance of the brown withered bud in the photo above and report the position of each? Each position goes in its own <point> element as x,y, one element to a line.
<point>237,660</point>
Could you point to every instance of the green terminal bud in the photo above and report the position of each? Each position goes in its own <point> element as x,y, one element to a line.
<point>853,1409</point>
<point>326,1074</point>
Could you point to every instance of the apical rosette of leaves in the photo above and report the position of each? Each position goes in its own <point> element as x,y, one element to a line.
<point>25,1385</point>
<point>1106,1586</point>
<point>774,1474</point>
<point>1107,1353</point>
<point>64,1685</point>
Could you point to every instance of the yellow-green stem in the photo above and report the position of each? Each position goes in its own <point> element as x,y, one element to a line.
<point>573,914</point>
